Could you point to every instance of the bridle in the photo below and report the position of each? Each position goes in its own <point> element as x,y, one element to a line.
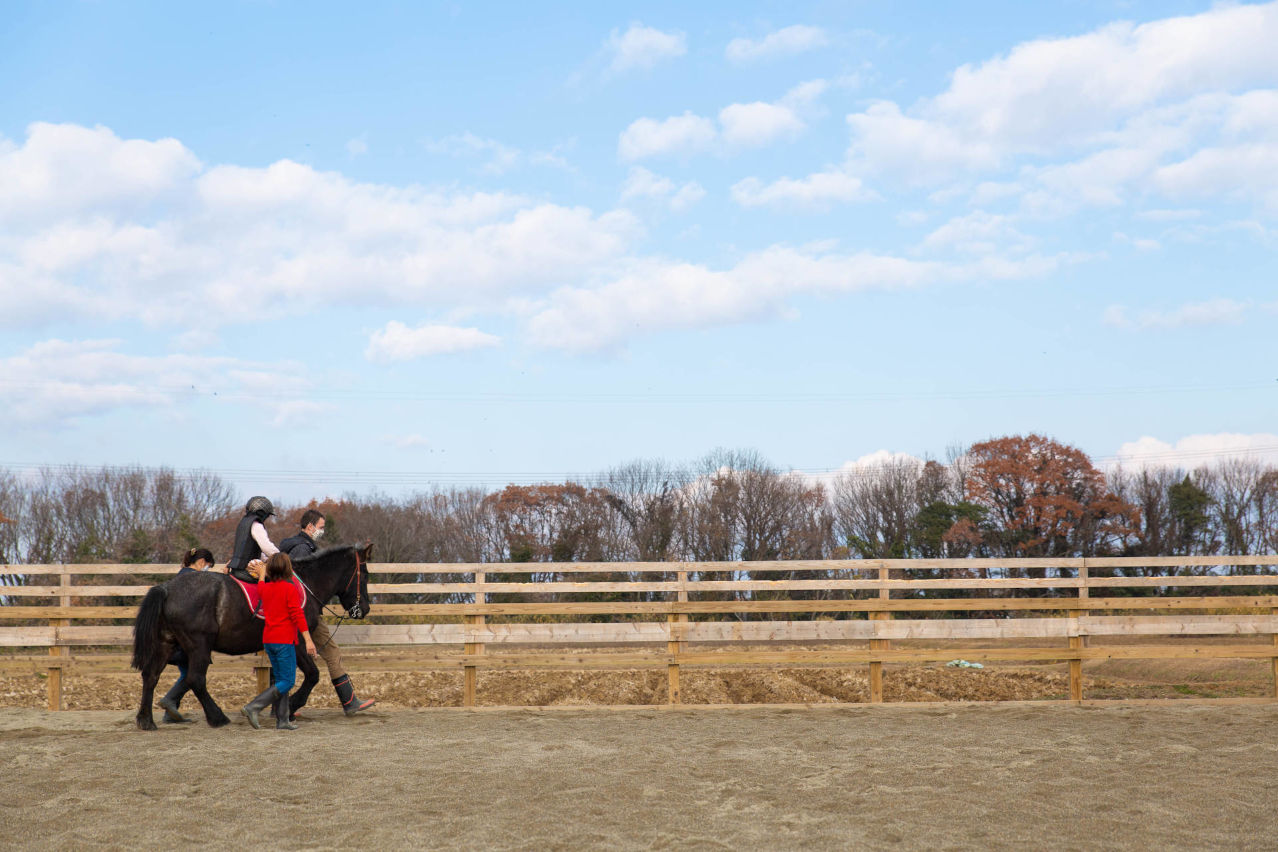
<point>342,616</point>
<point>355,578</point>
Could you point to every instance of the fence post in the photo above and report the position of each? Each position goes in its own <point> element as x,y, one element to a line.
<point>56,650</point>
<point>262,667</point>
<point>1274,611</point>
<point>675,646</point>
<point>471,672</point>
<point>1078,641</point>
<point>876,668</point>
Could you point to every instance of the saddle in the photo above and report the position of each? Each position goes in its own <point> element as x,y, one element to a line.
<point>253,594</point>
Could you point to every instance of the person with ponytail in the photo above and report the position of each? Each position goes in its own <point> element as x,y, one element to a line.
<point>194,560</point>
<point>199,559</point>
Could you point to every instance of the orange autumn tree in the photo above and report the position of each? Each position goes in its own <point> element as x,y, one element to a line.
<point>1045,498</point>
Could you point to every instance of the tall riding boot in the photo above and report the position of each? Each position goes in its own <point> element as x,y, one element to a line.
<point>346,694</point>
<point>172,699</point>
<point>282,722</point>
<point>257,705</point>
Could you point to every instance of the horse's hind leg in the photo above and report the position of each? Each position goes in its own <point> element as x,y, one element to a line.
<point>310,677</point>
<point>197,669</point>
<point>150,677</point>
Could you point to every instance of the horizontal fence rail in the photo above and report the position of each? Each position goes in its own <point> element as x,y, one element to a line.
<point>656,611</point>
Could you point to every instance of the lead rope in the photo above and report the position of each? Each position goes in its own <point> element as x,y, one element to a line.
<point>340,616</point>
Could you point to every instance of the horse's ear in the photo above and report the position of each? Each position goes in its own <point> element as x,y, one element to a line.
<point>367,550</point>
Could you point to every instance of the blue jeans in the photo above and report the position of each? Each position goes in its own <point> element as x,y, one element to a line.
<point>283,666</point>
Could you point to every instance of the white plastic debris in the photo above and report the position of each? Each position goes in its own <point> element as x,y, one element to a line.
<point>964,664</point>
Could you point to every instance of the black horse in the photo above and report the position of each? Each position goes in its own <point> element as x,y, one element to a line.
<point>202,613</point>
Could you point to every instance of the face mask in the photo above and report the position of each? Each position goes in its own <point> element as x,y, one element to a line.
<point>319,533</point>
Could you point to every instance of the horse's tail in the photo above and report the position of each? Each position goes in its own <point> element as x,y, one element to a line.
<point>146,628</point>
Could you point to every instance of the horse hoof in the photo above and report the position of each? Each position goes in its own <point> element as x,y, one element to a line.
<point>146,724</point>
<point>217,723</point>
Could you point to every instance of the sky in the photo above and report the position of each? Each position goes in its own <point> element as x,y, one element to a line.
<point>319,250</point>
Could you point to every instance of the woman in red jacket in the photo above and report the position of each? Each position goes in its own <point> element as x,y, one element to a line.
<point>282,610</point>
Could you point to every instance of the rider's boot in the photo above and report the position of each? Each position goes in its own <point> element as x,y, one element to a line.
<point>346,694</point>
<point>282,722</point>
<point>257,705</point>
<point>172,699</point>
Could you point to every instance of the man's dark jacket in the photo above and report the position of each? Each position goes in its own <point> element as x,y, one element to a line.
<point>298,546</point>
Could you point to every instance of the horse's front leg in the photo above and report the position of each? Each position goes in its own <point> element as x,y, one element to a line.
<point>198,662</point>
<point>310,677</point>
<point>150,677</point>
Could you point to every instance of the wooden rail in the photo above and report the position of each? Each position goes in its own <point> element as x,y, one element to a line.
<point>673,604</point>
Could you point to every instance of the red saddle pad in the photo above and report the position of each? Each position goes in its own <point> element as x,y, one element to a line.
<point>253,594</point>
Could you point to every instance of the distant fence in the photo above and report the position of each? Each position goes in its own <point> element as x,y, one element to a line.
<point>666,608</point>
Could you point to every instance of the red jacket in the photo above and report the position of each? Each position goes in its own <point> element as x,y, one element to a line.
<point>282,609</point>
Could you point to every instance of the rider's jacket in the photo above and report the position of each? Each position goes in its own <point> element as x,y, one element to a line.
<point>246,548</point>
<point>298,546</point>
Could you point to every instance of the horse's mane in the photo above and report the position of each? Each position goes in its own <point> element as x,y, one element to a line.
<point>328,551</point>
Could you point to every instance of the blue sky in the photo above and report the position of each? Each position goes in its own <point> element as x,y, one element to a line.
<point>501,242</point>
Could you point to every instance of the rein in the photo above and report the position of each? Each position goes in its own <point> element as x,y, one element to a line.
<point>325,607</point>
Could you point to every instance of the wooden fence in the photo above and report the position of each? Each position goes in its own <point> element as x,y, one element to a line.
<point>853,613</point>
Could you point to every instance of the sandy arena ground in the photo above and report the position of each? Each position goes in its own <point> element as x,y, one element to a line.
<point>946,776</point>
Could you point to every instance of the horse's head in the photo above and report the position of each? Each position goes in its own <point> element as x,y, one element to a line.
<point>353,590</point>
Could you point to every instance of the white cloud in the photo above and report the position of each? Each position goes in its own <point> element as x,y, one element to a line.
<point>357,147</point>
<point>680,134</point>
<point>654,296</point>
<point>923,150</point>
<point>740,125</point>
<point>979,232</point>
<point>1140,243</point>
<point>816,190</point>
<point>66,168</point>
<point>1197,450</point>
<point>642,183</point>
<point>687,195</point>
<point>407,442</point>
<point>1194,314</point>
<point>1091,80</point>
<point>1169,215</point>
<point>641,47</point>
<point>95,226</point>
<point>758,123</point>
<point>297,413</point>
<point>1239,171</point>
<point>61,380</point>
<point>787,41</point>
<point>398,342</point>
<point>499,158</point>
<point>1138,102</point>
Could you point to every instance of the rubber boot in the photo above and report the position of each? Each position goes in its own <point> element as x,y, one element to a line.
<point>257,705</point>
<point>346,694</point>
<point>172,699</point>
<point>282,722</point>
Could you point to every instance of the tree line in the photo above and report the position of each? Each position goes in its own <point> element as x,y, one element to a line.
<point>1015,496</point>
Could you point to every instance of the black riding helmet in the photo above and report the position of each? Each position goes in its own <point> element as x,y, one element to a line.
<point>259,506</point>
